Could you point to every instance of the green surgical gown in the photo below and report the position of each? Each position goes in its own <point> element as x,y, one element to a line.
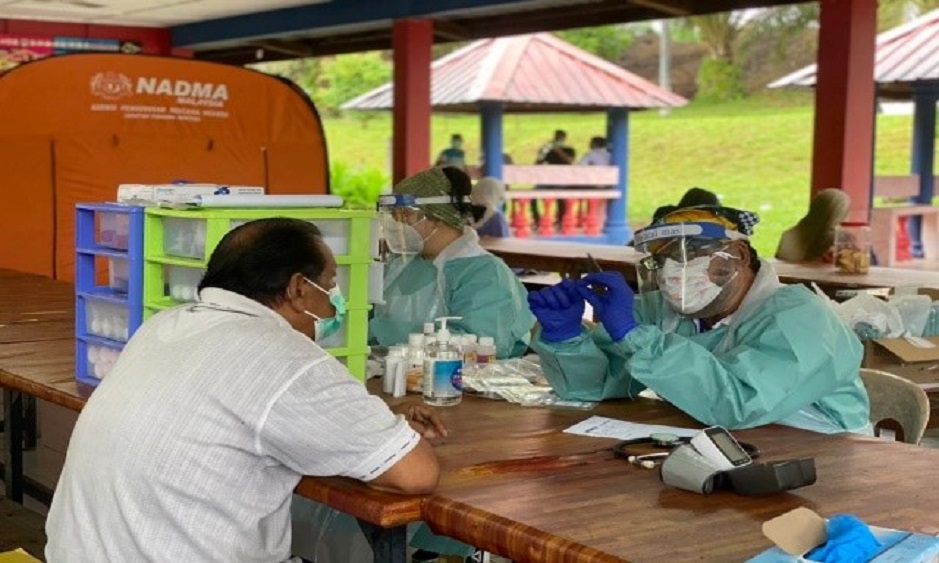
<point>786,358</point>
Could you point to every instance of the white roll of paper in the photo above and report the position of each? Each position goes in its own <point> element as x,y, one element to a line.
<point>305,200</point>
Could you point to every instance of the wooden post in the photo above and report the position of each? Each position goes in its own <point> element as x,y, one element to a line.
<point>411,41</point>
<point>843,152</point>
<point>922,159</point>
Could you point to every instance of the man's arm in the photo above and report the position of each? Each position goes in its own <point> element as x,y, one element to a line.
<point>418,471</point>
<point>415,474</point>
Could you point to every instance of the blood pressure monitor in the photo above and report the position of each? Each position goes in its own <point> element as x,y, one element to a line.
<point>713,459</point>
<point>720,449</point>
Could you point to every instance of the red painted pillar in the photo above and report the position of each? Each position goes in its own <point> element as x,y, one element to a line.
<point>411,41</point>
<point>843,152</point>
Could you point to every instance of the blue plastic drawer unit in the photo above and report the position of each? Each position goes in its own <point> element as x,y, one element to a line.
<point>108,284</point>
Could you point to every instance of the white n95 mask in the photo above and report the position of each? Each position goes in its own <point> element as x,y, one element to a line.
<point>402,238</point>
<point>688,287</point>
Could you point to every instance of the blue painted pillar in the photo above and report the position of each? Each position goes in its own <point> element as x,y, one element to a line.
<point>491,123</point>
<point>923,149</point>
<point>617,228</point>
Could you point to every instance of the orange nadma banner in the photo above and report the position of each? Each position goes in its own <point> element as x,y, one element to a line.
<point>73,127</point>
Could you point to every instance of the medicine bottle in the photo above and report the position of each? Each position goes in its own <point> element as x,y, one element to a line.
<point>486,351</point>
<point>414,374</point>
<point>469,352</point>
<point>852,248</point>
<point>443,369</point>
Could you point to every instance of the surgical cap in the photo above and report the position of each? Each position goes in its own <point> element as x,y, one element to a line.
<point>429,183</point>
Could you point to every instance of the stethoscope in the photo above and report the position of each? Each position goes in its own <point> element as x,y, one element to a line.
<point>663,441</point>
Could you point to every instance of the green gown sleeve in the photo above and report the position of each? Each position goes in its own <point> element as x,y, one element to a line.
<point>492,302</point>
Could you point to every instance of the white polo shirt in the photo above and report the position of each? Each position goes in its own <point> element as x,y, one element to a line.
<point>191,447</point>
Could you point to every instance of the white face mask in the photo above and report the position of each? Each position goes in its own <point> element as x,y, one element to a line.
<point>688,287</point>
<point>402,238</point>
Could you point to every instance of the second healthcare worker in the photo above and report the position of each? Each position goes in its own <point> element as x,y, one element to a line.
<point>713,331</point>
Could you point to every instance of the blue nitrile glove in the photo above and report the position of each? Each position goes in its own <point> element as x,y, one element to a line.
<point>849,541</point>
<point>559,309</point>
<point>613,304</point>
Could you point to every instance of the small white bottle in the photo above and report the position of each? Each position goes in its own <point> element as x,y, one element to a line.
<point>469,352</point>
<point>414,370</point>
<point>429,329</point>
<point>486,351</point>
<point>443,369</point>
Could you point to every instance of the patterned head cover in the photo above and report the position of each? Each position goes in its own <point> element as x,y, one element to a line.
<point>429,183</point>
<point>705,221</point>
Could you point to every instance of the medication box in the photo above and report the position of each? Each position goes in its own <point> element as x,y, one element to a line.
<point>154,194</point>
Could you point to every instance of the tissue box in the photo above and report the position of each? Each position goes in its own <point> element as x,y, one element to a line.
<point>801,530</point>
<point>912,358</point>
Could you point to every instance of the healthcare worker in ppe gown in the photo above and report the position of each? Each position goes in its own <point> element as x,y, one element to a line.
<point>436,267</point>
<point>713,331</point>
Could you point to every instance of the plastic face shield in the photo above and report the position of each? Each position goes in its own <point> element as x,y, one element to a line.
<point>670,263</point>
<point>397,217</point>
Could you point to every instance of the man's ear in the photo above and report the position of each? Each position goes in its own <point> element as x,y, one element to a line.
<point>294,293</point>
<point>741,250</point>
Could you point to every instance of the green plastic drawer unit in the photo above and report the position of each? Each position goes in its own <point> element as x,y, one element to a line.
<point>179,242</point>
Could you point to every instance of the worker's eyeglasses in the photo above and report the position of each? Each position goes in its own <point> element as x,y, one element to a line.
<point>683,251</point>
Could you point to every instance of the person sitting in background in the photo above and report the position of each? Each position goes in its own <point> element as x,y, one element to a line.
<point>454,155</point>
<point>489,193</point>
<point>437,268</point>
<point>190,450</point>
<point>713,331</point>
<point>812,238</point>
<point>553,152</point>
<point>598,155</point>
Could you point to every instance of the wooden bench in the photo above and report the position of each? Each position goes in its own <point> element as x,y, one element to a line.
<point>884,219</point>
<point>21,528</point>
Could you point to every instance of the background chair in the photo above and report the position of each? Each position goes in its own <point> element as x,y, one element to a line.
<point>897,404</point>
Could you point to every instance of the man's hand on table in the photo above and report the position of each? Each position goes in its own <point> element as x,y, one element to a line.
<point>425,421</point>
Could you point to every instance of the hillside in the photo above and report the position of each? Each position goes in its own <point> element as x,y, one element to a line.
<point>755,153</point>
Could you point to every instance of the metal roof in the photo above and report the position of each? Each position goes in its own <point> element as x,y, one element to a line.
<point>528,73</point>
<point>905,55</point>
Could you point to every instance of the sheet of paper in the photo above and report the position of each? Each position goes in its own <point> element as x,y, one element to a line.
<point>603,427</point>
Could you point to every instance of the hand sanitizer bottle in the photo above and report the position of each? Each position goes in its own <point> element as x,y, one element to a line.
<point>443,369</point>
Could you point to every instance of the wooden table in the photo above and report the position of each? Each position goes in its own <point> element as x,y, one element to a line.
<point>569,259</point>
<point>514,484</point>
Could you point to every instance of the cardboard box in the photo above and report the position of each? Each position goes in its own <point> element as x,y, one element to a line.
<point>916,359</point>
<point>152,194</point>
<point>799,531</point>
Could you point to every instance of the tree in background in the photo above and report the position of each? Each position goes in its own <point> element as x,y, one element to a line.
<point>332,81</point>
<point>719,77</point>
<point>606,41</point>
<point>777,41</point>
<point>891,13</point>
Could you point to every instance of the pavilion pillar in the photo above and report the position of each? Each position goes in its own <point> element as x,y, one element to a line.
<point>491,125</point>
<point>617,229</point>
<point>922,159</point>
<point>843,151</point>
<point>411,41</point>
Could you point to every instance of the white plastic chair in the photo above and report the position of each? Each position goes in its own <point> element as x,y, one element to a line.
<point>897,404</point>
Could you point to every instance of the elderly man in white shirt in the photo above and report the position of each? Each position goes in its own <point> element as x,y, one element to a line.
<point>191,448</point>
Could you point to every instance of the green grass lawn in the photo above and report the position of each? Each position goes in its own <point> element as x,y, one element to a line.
<point>754,153</point>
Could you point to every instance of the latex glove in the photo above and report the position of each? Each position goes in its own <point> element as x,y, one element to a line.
<point>613,304</point>
<point>559,309</point>
<point>849,540</point>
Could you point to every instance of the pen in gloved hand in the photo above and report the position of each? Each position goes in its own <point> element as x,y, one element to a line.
<point>592,267</point>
